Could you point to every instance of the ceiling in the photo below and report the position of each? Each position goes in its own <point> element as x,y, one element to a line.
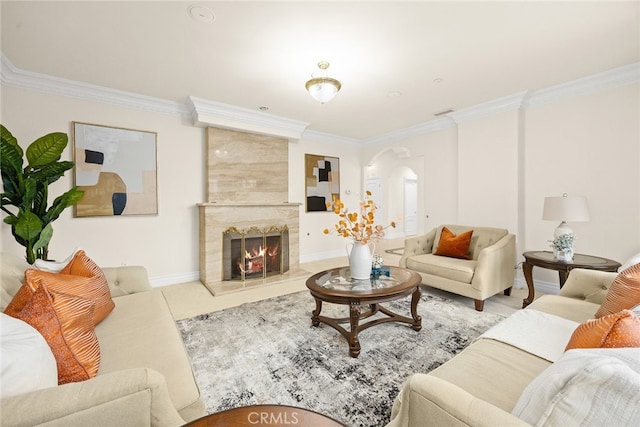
<point>399,62</point>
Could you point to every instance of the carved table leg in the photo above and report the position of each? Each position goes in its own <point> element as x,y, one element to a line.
<point>354,317</point>
<point>527,269</point>
<point>315,315</point>
<point>417,320</point>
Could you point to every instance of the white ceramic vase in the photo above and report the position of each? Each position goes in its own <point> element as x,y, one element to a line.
<point>360,259</point>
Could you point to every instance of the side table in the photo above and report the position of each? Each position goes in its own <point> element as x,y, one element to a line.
<point>545,259</point>
<point>265,416</point>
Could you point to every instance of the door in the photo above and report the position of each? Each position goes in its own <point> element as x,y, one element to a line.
<point>410,206</point>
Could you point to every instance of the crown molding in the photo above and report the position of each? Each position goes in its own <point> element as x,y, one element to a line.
<point>436,125</point>
<point>11,76</point>
<point>610,79</point>
<point>328,138</point>
<point>208,113</point>
<point>495,106</point>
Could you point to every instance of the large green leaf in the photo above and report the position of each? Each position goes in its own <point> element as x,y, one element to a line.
<point>28,226</point>
<point>6,136</point>
<point>52,172</point>
<point>62,202</point>
<point>45,237</point>
<point>10,164</point>
<point>46,149</point>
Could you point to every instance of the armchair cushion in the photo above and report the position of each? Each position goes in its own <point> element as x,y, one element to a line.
<point>456,246</point>
<point>451,268</point>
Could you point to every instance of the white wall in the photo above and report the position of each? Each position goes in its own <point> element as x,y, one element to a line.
<point>314,244</point>
<point>166,243</point>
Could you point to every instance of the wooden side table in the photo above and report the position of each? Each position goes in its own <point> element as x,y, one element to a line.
<point>545,259</point>
<point>265,416</point>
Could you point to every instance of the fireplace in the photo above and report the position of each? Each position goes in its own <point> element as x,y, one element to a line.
<point>255,253</point>
<point>249,231</point>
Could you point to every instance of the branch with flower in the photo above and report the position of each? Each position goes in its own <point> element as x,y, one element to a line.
<point>359,227</point>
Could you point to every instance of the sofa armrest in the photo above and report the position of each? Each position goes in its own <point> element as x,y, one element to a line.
<point>426,400</point>
<point>127,280</point>
<point>132,397</point>
<point>496,266</point>
<point>417,245</point>
<point>588,285</point>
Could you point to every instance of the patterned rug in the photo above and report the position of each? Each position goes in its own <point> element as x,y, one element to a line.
<point>267,352</point>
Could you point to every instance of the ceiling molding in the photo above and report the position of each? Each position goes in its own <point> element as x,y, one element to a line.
<point>328,138</point>
<point>11,76</point>
<point>208,113</point>
<point>499,105</point>
<point>436,125</point>
<point>606,80</point>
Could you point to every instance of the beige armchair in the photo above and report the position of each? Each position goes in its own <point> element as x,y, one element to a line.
<point>490,269</point>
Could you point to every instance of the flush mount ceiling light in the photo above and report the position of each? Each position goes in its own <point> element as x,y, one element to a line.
<point>323,88</point>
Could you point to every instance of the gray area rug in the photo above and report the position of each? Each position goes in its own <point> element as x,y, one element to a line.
<point>267,352</point>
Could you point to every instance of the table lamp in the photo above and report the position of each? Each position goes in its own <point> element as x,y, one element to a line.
<point>565,209</point>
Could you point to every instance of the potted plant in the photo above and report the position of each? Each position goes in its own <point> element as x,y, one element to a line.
<point>563,247</point>
<point>26,188</point>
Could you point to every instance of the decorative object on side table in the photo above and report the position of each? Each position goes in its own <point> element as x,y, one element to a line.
<point>564,208</point>
<point>26,187</point>
<point>361,229</point>
<point>563,247</point>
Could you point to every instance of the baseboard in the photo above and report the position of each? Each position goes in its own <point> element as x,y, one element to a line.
<point>549,288</point>
<point>172,279</point>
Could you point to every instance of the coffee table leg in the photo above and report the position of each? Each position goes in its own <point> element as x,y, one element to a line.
<point>417,320</point>
<point>315,315</point>
<point>354,317</point>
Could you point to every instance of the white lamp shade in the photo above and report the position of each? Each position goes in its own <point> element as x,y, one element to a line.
<point>565,208</point>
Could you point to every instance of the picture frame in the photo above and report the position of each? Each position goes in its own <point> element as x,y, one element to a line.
<point>322,182</point>
<point>117,170</point>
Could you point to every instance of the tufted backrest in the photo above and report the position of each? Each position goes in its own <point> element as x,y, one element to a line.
<point>481,238</point>
<point>12,275</point>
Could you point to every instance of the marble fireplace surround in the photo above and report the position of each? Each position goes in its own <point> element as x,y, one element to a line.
<point>247,186</point>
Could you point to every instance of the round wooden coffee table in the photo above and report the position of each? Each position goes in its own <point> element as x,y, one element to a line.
<point>265,415</point>
<point>336,286</point>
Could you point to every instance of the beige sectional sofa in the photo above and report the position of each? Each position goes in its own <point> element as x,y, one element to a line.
<point>145,375</point>
<point>482,385</point>
<point>490,269</point>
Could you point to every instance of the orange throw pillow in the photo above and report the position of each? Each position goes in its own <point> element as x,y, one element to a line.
<point>623,293</point>
<point>66,323</point>
<point>611,331</point>
<point>454,246</point>
<point>81,277</point>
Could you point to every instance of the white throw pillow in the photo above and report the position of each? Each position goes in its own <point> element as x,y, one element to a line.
<point>26,361</point>
<point>631,261</point>
<point>585,387</point>
<point>54,266</point>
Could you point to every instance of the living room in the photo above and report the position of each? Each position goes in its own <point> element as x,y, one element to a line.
<point>490,162</point>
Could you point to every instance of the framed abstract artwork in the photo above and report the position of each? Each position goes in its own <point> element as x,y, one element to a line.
<point>117,170</point>
<point>322,181</point>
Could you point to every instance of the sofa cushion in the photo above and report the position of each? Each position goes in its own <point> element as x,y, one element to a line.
<point>623,293</point>
<point>611,331</point>
<point>66,323</point>
<point>26,358</point>
<point>455,246</point>
<point>451,268</point>
<point>596,387</point>
<point>569,308</point>
<point>476,368</point>
<point>141,332</point>
<point>81,277</point>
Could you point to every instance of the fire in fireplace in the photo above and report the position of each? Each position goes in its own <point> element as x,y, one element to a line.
<point>255,253</point>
